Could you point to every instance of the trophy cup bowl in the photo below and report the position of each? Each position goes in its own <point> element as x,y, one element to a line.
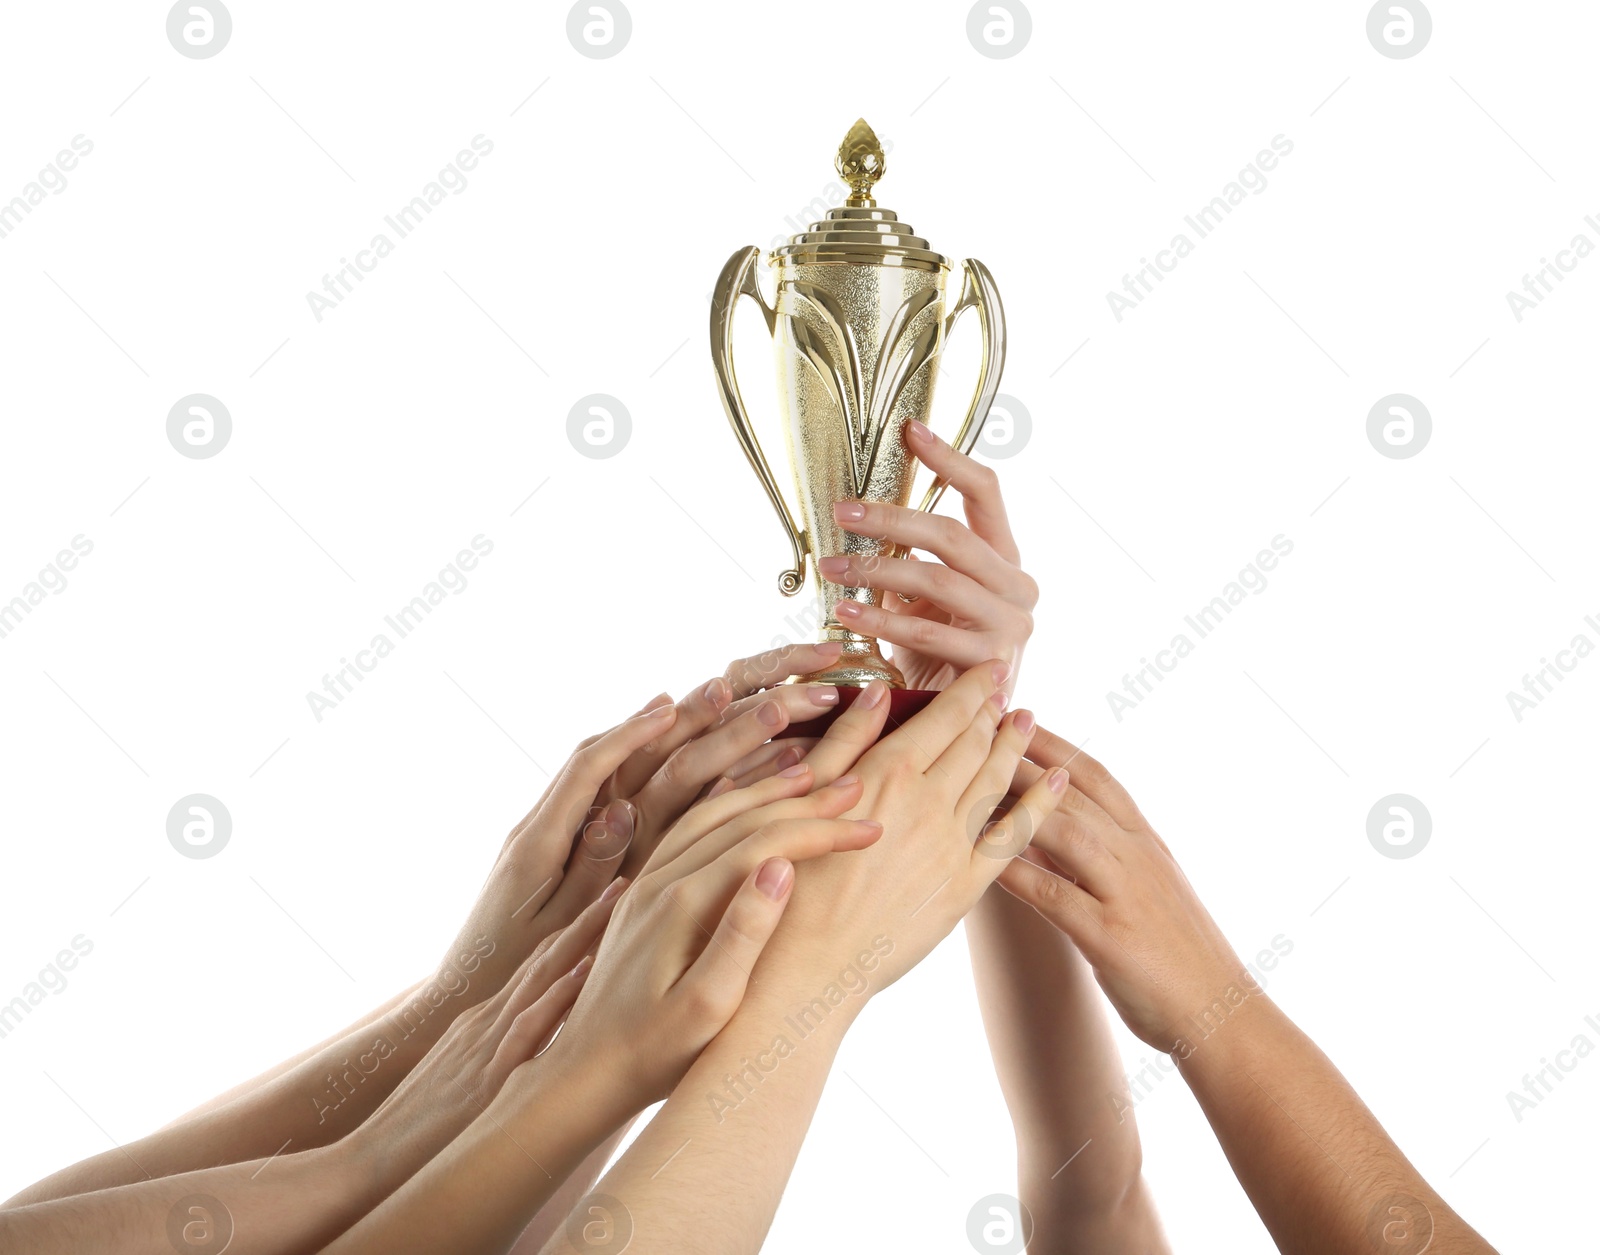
<point>858,324</point>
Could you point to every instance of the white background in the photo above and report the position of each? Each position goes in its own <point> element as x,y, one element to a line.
<point>369,447</point>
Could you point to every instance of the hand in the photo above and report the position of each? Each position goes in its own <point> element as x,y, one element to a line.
<point>1097,871</point>
<point>469,1064</point>
<point>935,784</point>
<point>675,962</point>
<point>612,799</point>
<point>977,605</point>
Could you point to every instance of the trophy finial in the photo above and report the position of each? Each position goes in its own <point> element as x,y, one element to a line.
<point>860,163</point>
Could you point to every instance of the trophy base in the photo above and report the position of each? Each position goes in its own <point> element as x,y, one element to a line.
<point>903,703</point>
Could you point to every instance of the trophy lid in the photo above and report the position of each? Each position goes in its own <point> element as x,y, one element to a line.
<point>859,231</point>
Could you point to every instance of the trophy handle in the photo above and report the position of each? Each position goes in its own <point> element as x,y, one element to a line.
<point>977,291</point>
<point>738,279</point>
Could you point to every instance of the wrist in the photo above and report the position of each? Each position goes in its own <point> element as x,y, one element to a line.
<point>1224,1038</point>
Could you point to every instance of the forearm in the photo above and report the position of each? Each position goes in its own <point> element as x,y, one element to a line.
<point>733,1127</point>
<point>481,1191</point>
<point>290,1203</point>
<point>312,1102</point>
<point>1078,1152</point>
<point>553,1213</point>
<point>1319,1168</point>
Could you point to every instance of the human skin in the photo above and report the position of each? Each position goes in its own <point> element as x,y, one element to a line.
<point>670,972</point>
<point>278,1204</point>
<point>604,810</point>
<point>707,1173</point>
<point>1053,1051</point>
<point>1324,1176</point>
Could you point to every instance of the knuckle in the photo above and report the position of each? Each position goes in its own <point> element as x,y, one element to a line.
<point>1028,589</point>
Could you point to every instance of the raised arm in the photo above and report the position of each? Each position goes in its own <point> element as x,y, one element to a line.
<point>1046,1022</point>
<point>1323,1174</point>
<point>707,1174</point>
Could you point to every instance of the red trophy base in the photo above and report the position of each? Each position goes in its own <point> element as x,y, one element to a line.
<point>903,703</point>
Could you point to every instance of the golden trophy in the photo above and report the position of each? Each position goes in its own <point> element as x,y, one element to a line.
<point>858,325</point>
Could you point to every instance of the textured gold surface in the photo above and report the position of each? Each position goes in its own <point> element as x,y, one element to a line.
<point>858,326</point>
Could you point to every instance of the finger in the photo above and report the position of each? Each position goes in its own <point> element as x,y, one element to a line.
<point>750,675</point>
<point>1078,804</point>
<point>989,779</point>
<point>978,485</point>
<point>960,647</point>
<point>669,793</point>
<point>711,814</point>
<point>591,765</point>
<point>825,803</point>
<point>928,733</point>
<point>698,711</point>
<point>525,1035</point>
<point>855,731</point>
<point>716,981</point>
<point>556,954</point>
<point>952,542</point>
<point>769,760</point>
<point>1088,775</point>
<point>968,753</point>
<point>1066,905</point>
<point>1010,834</point>
<point>953,591</point>
<point>1074,843</point>
<point>801,701</point>
<point>773,754</point>
<point>598,853</point>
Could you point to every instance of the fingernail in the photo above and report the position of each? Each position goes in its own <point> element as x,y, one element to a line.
<point>661,711</point>
<point>868,827</point>
<point>872,694</point>
<point>795,772</point>
<point>848,610</point>
<point>717,691</point>
<point>614,888</point>
<point>834,567</point>
<point>823,694</point>
<point>582,969</point>
<point>844,782</point>
<point>1002,672</point>
<point>830,647</point>
<point>722,785</point>
<point>770,714</point>
<point>918,431</point>
<point>849,511</point>
<point>775,877</point>
<point>1058,780</point>
<point>1023,721</point>
<point>655,703</point>
<point>788,758</point>
<point>1000,697</point>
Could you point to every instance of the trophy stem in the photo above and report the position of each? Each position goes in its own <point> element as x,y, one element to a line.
<point>859,664</point>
